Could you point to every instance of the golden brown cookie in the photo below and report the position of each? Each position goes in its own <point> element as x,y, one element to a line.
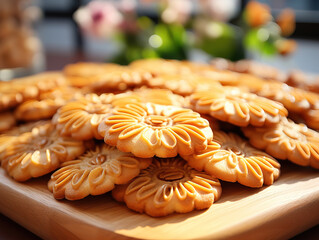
<point>223,64</point>
<point>48,104</point>
<point>250,83</point>
<point>297,78</point>
<point>119,79</point>
<point>145,95</point>
<point>168,186</point>
<point>79,74</point>
<point>9,97</point>
<point>33,110</point>
<point>87,69</point>
<point>8,136</point>
<point>7,121</point>
<point>183,84</point>
<point>65,92</point>
<point>260,70</point>
<point>287,140</point>
<point>161,66</point>
<point>23,128</point>
<point>21,89</point>
<point>208,71</point>
<point>80,119</point>
<point>44,82</point>
<point>150,129</point>
<point>294,99</point>
<point>237,107</point>
<point>231,158</point>
<point>95,172</point>
<point>36,153</point>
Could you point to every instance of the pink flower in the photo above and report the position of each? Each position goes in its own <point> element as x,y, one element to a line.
<point>99,18</point>
<point>176,11</point>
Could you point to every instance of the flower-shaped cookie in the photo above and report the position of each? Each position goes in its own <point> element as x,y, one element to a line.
<point>168,186</point>
<point>95,173</point>
<point>88,69</point>
<point>33,110</point>
<point>22,89</point>
<point>183,84</point>
<point>294,99</point>
<point>39,152</point>
<point>48,104</point>
<point>150,129</point>
<point>230,158</point>
<point>145,95</point>
<point>161,66</point>
<point>10,96</point>
<point>240,108</point>
<point>44,82</point>
<point>80,119</point>
<point>120,78</point>
<point>80,74</point>
<point>287,140</point>
<point>8,136</point>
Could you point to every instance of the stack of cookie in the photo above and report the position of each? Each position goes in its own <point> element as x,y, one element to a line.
<point>18,43</point>
<point>158,134</point>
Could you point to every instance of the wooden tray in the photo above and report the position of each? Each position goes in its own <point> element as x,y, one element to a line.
<point>282,210</point>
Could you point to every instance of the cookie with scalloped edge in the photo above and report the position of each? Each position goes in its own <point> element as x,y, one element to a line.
<point>80,119</point>
<point>294,99</point>
<point>148,130</point>
<point>120,78</point>
<point>287,140</point>
<point>36,153</point>
<point>161,66</point>
<point>47,105</point>
<point>80,74</point>
<point>231,104</point>
<point>45,81</point>
<point>231,158</point>
<point>22,89</point>
<point>168,186</point>
<point>145,95</point>
<point>8,136</point>
<point>95,172</point>
<point>183,84</point>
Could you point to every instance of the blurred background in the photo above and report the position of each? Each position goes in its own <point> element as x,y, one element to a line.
<point>46,35</point>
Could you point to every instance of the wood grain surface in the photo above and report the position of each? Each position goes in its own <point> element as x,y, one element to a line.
<point>280,211</point>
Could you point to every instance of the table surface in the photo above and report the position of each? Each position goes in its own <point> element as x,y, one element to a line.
<point>10,230</point>
<point>19,195</point>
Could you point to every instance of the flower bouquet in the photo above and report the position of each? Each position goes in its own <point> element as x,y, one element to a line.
<point>173,28</point>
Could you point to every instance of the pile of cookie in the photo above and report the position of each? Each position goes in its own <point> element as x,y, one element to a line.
<point>18,43</point>
<point>158,134</point>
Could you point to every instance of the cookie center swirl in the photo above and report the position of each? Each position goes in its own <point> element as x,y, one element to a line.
<point>158,121</point>
<point>171,174</point>
<point>97,108</point>
<point>98,160</point>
